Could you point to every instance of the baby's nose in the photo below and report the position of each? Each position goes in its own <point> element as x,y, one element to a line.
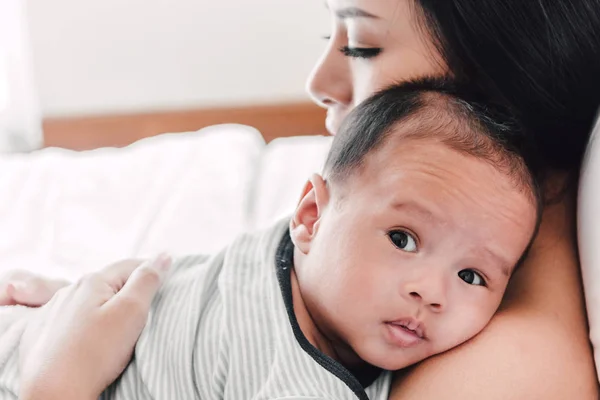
<point>435,305</point>
<point>428,289</point>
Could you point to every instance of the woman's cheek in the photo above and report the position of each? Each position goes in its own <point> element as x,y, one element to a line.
<point>364,93</point>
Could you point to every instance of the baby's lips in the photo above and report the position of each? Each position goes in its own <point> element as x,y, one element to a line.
<point>413,324</point>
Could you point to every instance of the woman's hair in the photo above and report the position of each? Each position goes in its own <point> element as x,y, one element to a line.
<point>541,58</point>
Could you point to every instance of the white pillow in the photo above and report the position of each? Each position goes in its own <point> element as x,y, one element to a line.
<point>285,166</point>
<point>589,237</point>
<point>64,213</point>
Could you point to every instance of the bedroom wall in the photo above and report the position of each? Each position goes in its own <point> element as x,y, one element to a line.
<point>121,56</point>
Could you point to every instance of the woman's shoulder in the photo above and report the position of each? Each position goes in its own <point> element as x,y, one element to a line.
<point>518,356</point>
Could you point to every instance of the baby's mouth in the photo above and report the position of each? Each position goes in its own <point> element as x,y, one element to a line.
<point>411,326</point>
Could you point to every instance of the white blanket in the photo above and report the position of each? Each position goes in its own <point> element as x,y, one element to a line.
<point>64,213</point>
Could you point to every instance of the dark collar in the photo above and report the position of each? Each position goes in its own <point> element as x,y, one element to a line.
<point>284,262</point>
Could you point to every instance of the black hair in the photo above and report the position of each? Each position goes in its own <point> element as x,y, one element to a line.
<point>541,58</point>
<point>454,115</point>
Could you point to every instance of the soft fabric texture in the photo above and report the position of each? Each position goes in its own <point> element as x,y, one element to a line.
<point>65,213</point>
<point>285,166</point>
<point>223,327</point>
<point>589,237</point>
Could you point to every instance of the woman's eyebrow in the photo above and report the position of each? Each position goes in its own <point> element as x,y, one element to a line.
<point>352,12</point>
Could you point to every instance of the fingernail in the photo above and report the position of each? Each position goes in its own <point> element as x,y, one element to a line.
<point>163,261</point>
<point>17,286</point>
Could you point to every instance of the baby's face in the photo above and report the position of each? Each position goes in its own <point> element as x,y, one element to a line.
<point>411,256</point>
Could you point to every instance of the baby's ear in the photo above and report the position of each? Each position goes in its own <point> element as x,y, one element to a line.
<point>305,223</point>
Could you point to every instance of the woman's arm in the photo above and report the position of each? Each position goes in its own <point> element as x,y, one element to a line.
<point>536,347</point>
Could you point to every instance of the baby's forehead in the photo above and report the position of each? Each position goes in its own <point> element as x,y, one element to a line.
<point>398,116</point>
<point>404,158</point>
<point>430,129</point>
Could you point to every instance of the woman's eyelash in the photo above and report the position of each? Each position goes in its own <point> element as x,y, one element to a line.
<point>357,52</point>
<point>360,52</point>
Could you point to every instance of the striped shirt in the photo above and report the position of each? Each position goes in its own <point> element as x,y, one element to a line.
<point>223,327</point>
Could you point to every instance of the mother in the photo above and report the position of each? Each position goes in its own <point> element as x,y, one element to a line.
<point>542,58</point>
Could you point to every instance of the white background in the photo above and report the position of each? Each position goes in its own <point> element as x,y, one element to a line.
<point>106,56</point>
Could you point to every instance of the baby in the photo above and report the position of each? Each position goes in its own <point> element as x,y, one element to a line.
<point>401,250</point>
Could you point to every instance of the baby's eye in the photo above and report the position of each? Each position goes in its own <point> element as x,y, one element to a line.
<point>471,277</point>
<point>404,241</point>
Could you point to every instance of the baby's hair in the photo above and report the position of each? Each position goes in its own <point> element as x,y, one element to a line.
<point>436,109</point>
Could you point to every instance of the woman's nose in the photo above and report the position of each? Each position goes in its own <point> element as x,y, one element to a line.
<point>330,82</point>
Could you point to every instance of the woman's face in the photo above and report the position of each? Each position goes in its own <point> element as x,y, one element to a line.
<point>372,44</point>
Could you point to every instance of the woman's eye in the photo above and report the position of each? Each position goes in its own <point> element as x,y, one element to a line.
<point>471,277</point>
<point>404,241</point>
<point>360,52</point>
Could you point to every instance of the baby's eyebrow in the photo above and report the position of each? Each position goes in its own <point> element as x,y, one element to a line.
<point>504,265</point>
<point>415,208</point>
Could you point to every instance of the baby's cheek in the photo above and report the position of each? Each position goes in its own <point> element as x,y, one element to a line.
<point>466,325</point>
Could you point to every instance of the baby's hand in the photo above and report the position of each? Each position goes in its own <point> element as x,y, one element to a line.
<point>27,289</point>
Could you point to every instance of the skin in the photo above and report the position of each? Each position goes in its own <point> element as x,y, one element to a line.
<point>80,341</point>
<point>537,345</point>
<point>27,289</point>
<point>389,244</point>
<point>339,83</point>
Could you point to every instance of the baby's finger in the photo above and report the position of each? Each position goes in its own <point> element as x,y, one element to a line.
<point>33,292</point>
